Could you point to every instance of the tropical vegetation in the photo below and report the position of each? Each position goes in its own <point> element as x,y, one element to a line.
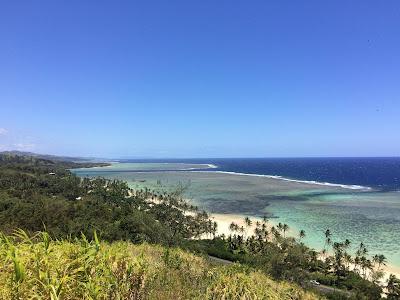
<point>38,267</point>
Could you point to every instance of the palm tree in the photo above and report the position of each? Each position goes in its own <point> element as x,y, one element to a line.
<point>356,264</point>
<point>280,227</point>
<point>365,265</point>
<point>285,228</point>
<point>233,227</point>
<point>380,260</point>
<point>248,223</point>
<point>393,288</point>
<point>347,260</point>
<point>328,234</point>
<point>338,249</point>
<point>275,233</point>
<point>214,228</point>
<point>328,240</point>
<point>362,250</point>
<point>302,234</point>
<point>264,227</point>
<point>241,229</point>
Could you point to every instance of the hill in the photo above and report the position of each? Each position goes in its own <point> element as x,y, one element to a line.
<point>53,157</point>
<point>77,269</point>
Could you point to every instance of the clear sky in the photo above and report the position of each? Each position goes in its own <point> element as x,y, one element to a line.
<point>200,78</point>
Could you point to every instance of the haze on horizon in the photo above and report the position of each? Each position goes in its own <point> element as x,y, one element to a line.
<point>200,79</point>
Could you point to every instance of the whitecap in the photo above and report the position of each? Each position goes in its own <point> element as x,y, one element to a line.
<point>345,186</point>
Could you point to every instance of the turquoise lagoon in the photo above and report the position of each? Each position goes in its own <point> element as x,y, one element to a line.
<point>364,216</point>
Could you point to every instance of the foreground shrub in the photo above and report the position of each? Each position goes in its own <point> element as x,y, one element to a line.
<point>40,268</point>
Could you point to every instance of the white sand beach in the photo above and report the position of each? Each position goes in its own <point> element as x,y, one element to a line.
<point>224,220</point>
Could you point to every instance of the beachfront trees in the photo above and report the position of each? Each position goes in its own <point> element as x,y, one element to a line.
<point>214,228</point>
<point>279,227</point>
<point>282,228</point>
<point>380,260</point>
<point>248,223</point>
<point>285,228</point>
<point>376,272</point>
<point>284,258</point>
<point>362,250</point>
<point>328,240</point>
<point>338,262</point>
<point>241,229</point>
<point>393,288</point>
<point>233,227</point>
<point>347,260</point>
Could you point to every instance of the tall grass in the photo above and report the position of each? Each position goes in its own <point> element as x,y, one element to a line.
<point>38,267</point>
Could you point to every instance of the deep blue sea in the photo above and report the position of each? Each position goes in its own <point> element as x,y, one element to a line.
<point>378,173</point>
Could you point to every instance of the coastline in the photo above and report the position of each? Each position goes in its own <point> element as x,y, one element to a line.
<point>224,220</point>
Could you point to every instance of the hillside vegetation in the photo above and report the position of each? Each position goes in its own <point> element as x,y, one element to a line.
<point>35,193</point>
<point>39,268</point>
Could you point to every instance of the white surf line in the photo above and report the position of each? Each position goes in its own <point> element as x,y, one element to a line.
<point>199,167</point>
<point>345,186</point>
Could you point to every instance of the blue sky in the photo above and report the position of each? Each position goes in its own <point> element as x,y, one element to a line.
<point>200,78</point>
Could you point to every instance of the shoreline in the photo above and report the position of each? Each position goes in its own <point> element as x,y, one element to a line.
<point>224,220</point>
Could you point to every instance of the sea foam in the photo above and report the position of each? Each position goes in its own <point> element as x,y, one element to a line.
<point>345,186</point>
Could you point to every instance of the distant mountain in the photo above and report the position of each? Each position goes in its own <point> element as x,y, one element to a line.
<point>56,157</point>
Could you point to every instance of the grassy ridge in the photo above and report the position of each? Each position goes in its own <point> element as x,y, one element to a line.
<point>40,268</point>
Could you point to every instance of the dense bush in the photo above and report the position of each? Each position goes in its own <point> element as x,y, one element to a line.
<point>37,194</point>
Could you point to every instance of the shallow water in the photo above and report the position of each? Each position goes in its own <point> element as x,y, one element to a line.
<point>362,216</point>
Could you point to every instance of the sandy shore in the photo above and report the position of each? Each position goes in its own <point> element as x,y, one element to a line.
<point>224,220</point>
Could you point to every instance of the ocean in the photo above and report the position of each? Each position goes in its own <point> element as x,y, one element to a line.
<point>381,173</point>
<point>356,198</point>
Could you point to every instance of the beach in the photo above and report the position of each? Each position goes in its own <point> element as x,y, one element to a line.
<point>224,220</point>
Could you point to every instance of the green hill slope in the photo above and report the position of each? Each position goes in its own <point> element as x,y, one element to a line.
<point>39,268</point>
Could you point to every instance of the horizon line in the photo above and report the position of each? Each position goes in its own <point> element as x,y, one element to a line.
<point>193,157</point>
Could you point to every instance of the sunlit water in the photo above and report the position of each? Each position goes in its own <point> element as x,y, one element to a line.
<point>362,216</point>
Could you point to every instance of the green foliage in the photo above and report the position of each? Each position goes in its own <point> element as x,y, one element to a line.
<point>285,258</point>
<point>37,193</point>
<point>83,269</point>
<point>231,283</point>
<point>393,287</point>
